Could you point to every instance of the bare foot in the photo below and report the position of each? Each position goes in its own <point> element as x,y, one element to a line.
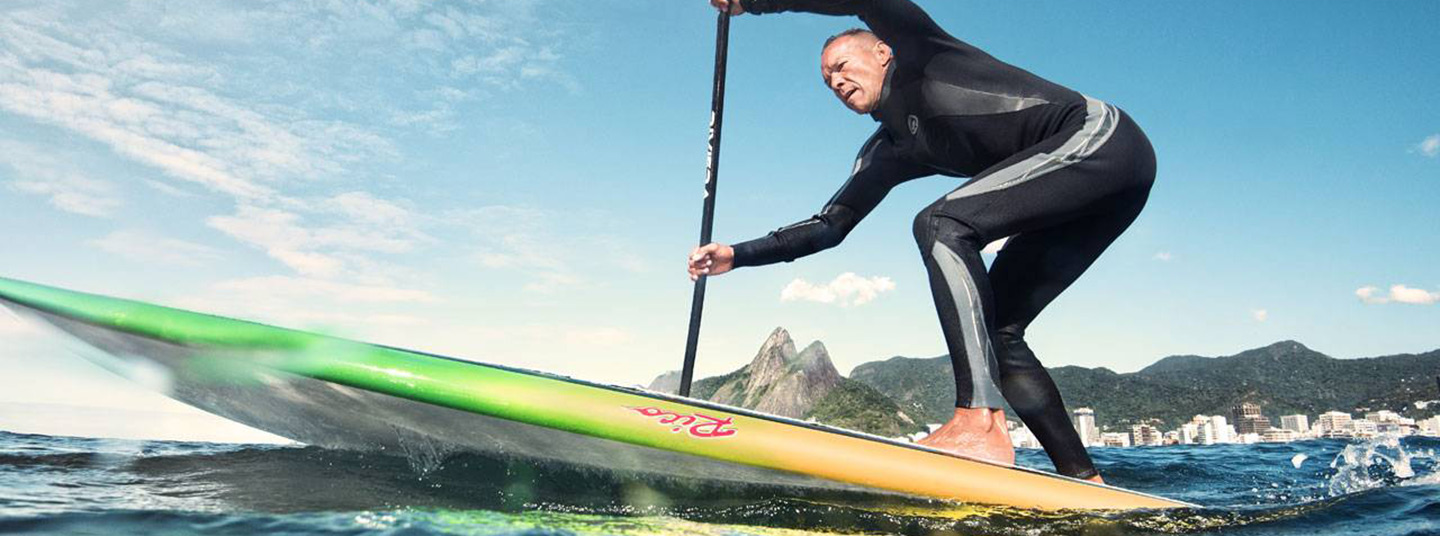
<point>976,433</point>
<point>1096,479</point>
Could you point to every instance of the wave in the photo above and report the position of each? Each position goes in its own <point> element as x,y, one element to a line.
<point>47,483</point>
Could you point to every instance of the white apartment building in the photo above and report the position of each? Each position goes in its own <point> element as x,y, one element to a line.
<point>1189,433</point>
<point>1084,419</point>
<point>1298,423</point>
<point>1430,426</point>
<point>1224,432</point>
<point>1332,422</point>
<point>1208,430</point>
<point>1279,435</point>
<point>1383,415</point>
<point>1023,438</point>
<point>1115,439</point>
<point>1146,435</point>
<point>1365,428</point>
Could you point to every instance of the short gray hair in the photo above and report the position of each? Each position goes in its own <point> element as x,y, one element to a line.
<point>847,33</point>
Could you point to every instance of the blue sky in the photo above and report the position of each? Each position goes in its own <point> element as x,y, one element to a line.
<point>518,181</point>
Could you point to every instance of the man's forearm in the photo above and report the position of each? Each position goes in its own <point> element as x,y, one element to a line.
<point>822,231</point>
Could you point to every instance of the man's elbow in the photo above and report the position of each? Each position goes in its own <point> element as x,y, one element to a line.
<point>830,238</point>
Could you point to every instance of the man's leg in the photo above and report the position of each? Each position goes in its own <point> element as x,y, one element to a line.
<point>1029,273</point>
<point>1079,173</point>
<point>962,299</point>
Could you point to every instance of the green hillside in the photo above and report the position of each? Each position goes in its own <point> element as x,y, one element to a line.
<point>1284,377</point>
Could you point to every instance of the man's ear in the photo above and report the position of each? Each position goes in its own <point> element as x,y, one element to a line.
<point>883,52</point>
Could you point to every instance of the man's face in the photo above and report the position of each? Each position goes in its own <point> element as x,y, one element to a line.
<point>854,68</point>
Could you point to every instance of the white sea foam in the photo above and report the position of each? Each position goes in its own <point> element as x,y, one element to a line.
<point>1379,462</point>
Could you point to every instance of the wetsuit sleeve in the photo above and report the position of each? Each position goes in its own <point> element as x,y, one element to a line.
<point>877,171</point>
<point>900,23</point>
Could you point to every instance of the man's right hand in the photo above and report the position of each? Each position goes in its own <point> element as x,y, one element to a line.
<point>711,259</point>
<point>733,5</point>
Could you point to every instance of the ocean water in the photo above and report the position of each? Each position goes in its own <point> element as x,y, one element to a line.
<point>64,485</point>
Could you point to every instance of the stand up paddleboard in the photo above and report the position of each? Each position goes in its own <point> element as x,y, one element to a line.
<point>337,393</point>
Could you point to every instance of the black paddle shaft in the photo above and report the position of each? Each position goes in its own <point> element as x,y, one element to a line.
<point>712,169</point>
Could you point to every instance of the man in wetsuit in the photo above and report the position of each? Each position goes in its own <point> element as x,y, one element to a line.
<point>1059,173</point>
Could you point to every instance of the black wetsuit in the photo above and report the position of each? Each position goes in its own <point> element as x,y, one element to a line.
<point>1059,173</point>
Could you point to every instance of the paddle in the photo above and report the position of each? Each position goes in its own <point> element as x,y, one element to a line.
<point>712,168</point>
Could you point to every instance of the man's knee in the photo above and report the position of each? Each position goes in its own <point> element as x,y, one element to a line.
<point>1009,336</point>
<point>1012,354</point>
<point>933,225</point>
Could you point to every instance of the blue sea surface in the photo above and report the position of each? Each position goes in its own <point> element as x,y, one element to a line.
<point>65,485</point>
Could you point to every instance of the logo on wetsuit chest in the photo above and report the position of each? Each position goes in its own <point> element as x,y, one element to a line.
<point>914,123</point>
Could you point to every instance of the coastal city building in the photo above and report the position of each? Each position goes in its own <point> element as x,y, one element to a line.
<point>1217,429</point>
<point>1207,430</point>
<point>1085,424</point>
<point>1248,419</point>
<point>1146,435</point>
<point>1390,423</point>
<point>1022,437</point>
<point>1364,428</point>
<point>1333,424</point>
<point>1383,415</point>
<point>1279,435</point>
<point>1430,426</point>
<point>1189,432</point>
<point>1115,439</point>
<point>1298,423</point>
<point>1223,431</point>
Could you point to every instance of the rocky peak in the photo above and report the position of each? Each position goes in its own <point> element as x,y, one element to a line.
<point>668,382</point>
<point>780,380</point>
<point>801,385</point>
<point>779,339</point>
<point>814,360</point>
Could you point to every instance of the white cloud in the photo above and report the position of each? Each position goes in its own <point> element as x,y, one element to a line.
<point>1163,256</point>
<point>366,224</point>
<point>1398,294</point>
<point>141,130</point>
<point>1413,296</point>
<point>846,290</point>
<point>1367,295</point>
<point>364,311</point>
<point>366,208</point>
<point>40,173</point>
<point>1430,146</point>
<point>146,248</point>
<point>75,195</point>
<point>168,189</point>
<point>1260,315</point>
<point>524,239</point>
<point>258,101</point>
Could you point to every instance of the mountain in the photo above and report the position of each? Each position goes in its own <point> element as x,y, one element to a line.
<point>856,406</point>
<point>779,380</point>
<point>668,382</point>
<point>924,388</point>
<point>1285,378</point>
<point>801,385</point>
